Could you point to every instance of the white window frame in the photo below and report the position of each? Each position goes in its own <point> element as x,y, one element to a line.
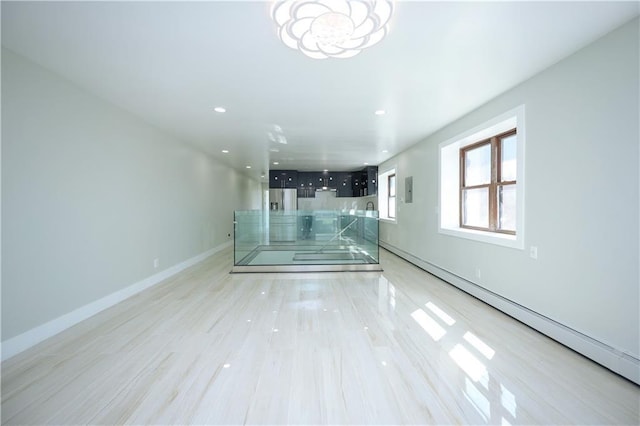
<point>394,196</point>
<point>383,195</point>
<point>449,180</point>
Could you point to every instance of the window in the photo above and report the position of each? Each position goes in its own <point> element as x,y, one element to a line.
<point>387,195</point>
<point>391,196</point>
<point>481,187</point>
<point>488,184</point>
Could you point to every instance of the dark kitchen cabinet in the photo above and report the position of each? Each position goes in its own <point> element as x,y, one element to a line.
<point>368,181</point>
<point>365,182</point>
<point>328,179</point>
<point>283,179</point>
<point>291,179</point>
<point>357,184</point>
<point>307,184</point>
<point>313,179</point>
<point>275,179</point>
<point>372,180</point>
<point>345,185</point>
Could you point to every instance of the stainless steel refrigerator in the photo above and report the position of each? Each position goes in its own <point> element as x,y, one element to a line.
<point>283,206</point>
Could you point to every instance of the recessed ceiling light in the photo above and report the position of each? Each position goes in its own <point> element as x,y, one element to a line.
<point>384,151</point>
<point>220,109</point>
<point>275,163</point>
<point>225,151</point>
<point>366,164</point>
<point>248,167</point>
<point>380,112</point>
<point>325,170</point>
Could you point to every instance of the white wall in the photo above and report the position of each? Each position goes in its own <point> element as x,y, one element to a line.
<point>91,195</point>
<point>582,196</point>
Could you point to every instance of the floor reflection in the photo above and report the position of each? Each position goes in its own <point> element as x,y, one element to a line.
<point>428,324</point>
<point>482,347</point>
<point>489,399</point>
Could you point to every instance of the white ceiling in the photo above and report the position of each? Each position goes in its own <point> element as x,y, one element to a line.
<point>171,63</point>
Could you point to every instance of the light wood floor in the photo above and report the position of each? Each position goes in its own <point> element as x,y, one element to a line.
<point>401,346</point>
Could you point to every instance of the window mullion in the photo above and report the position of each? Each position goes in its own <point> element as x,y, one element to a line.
<point>460,193</point>
<point>493,187</point>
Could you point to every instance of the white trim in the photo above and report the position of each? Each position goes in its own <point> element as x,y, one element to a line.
<point>616,360</point>
<point>383,198</point>
<point>24,341</point>
<point>449,179</point>
<point>506,240</point>
<point>386,170</point>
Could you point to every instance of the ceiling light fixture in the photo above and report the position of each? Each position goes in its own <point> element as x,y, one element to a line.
<point>380,112</point>
<point>336,29</point>
<point>225,151</point>
<point>220,109</point>
<point>248,167</point>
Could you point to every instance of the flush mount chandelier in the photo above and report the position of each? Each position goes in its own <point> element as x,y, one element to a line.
<point>331,28</point>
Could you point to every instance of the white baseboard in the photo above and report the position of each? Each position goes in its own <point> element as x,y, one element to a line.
<point>614,359</point>
<point>24,341</point>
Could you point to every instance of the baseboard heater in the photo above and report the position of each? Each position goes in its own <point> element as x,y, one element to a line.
<point>614,359</point>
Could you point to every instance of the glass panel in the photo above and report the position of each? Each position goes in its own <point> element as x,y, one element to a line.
<point>249,232</point>
<point>477,166</point>
<point>305,237</point>
<point>369,245</point>
<point>392,185</point>
<point>475,207</point>
<point>392,206</point>
<point>507,207</point>
<point>509,150</point>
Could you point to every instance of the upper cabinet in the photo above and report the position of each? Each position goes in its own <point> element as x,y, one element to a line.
<point>357,184</point>
<point>329,179</point>
<point>371,180</point>
<point>360,183</point>
<point>307,184</point>
<point>347,184</point>
<point>283,179</point>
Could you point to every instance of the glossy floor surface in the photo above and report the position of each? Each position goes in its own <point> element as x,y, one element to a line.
<point>209,347</point>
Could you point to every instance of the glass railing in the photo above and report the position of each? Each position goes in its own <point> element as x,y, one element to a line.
<point>301,240</point>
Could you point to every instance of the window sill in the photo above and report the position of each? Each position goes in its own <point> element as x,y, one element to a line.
<point>387,220</point>
<point>495,238</point>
